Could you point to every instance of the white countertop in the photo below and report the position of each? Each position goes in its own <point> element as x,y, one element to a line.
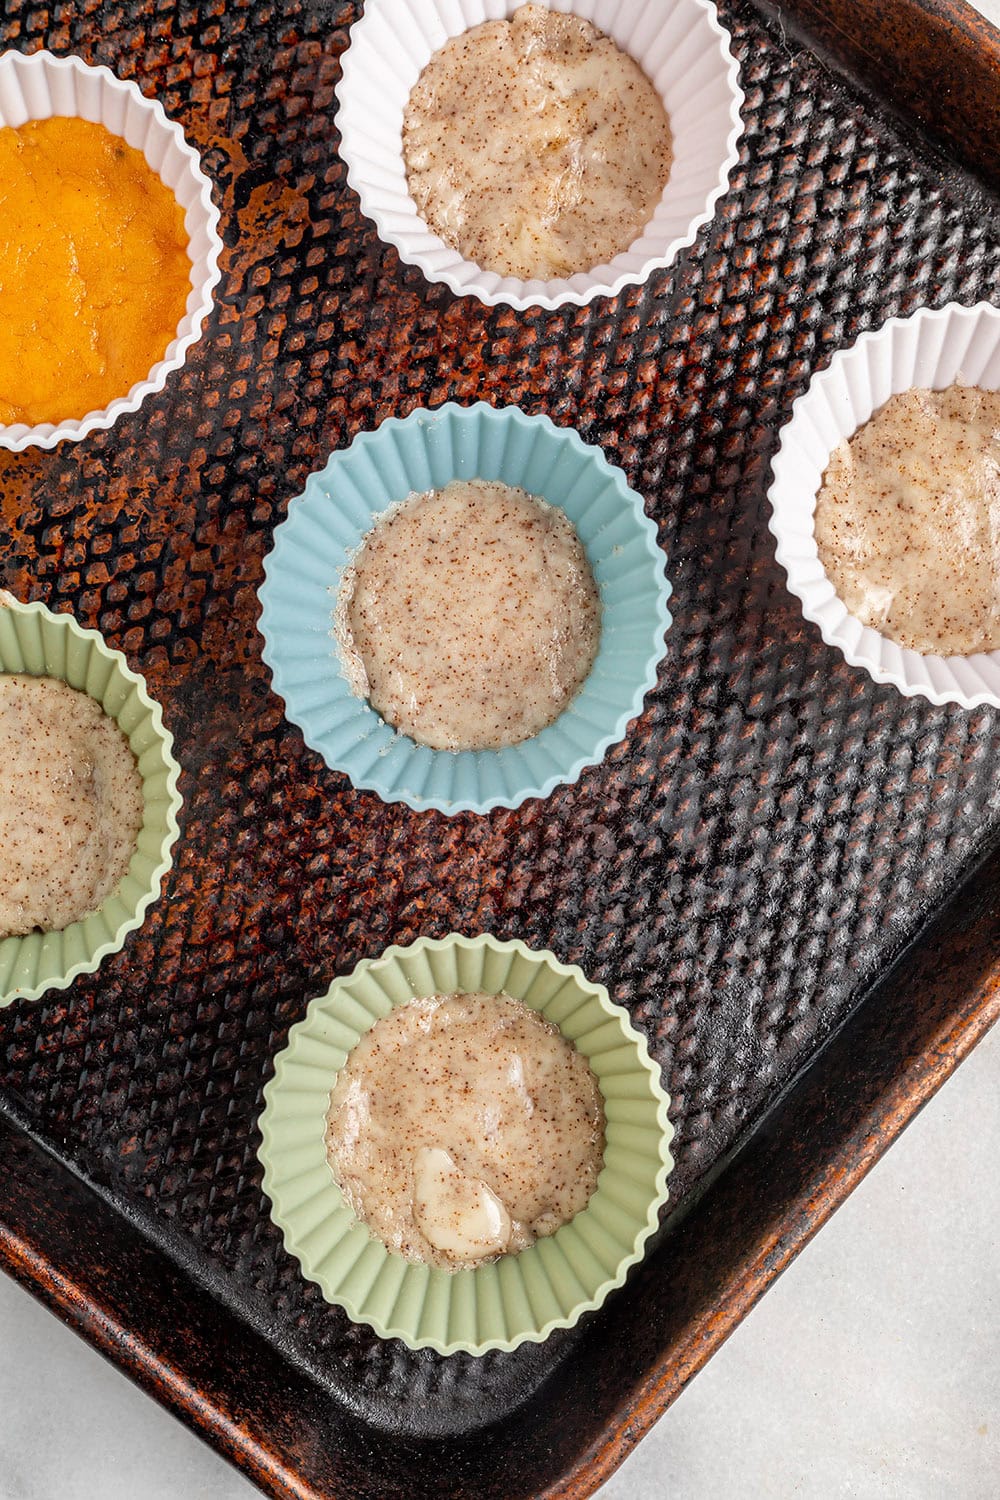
<point>871,1370</point>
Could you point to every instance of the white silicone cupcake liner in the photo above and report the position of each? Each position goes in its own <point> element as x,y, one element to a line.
<point>42,86</point>
<point>679,44</point>
<point>930,350</point>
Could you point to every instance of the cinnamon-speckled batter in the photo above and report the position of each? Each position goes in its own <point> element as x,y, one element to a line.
<point>463,1127</point>
<point>470,616</point>
<point>70,805</point>
<point>908,521</point>
<point>534,146</point>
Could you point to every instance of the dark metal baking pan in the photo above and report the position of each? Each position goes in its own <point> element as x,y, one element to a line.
<point>787,873</point>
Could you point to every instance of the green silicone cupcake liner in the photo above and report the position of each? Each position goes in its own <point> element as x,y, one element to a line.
<point>325,527</point>
<point>518,1298</point>
<point>39,643</point>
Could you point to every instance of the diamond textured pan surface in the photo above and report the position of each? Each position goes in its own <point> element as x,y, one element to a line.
<point>737,873</point>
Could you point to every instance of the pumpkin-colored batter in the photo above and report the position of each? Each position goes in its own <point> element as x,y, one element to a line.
<point>94,269</point>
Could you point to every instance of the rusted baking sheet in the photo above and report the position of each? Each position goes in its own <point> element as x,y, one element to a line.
<point>789,874</point>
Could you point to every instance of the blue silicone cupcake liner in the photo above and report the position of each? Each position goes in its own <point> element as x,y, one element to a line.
<point>325,527</point>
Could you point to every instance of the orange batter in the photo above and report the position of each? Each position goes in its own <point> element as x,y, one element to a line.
<point>94,269</point>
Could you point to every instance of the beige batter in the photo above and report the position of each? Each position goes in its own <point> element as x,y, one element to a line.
<point>534,146</point>
<point>908,521</point>
<point>70,805</point>
<point>470,617</point>
<point>463,1127</point>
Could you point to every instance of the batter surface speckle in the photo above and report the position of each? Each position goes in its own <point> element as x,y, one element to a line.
<point>535,147</point>
<point>470,617</point>
<point>463,1127</point>
<point>908,521</point>
<point>70,805</point>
